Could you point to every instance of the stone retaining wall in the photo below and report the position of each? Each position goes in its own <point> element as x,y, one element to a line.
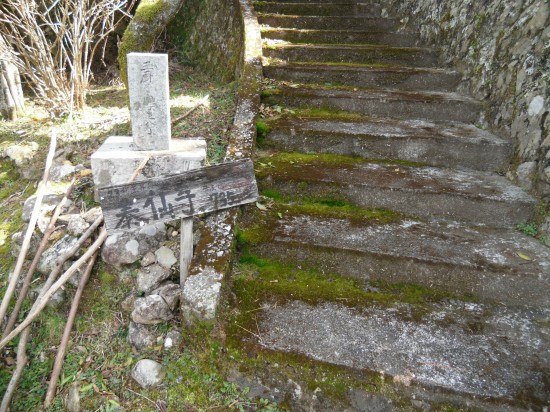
<point>213,252</point>
<point>503,49</point>
<point>211,34</point>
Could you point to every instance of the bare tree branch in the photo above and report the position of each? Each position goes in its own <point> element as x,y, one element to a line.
<point>55,44</point>
<point>50,394</point>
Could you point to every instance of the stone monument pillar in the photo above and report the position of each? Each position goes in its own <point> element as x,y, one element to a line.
<point>119,156</point>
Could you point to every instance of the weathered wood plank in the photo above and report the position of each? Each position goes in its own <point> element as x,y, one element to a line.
<point>191,193</point>
<point>186,248</point>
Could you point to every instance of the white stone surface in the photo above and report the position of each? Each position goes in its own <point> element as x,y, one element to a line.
<point>173,339</point>
<point>118,157</point>
<point>49,202</point>
<point>149,100</point>
<point>201,294</point>
<point>165,257</point>
<point>536,106</point>
<point>76,225</point>
<point>151,310</point>
<point>49,259</point>
<point>127,247</point>
<point>171,293</point>
<point>91,215</point>
<point>140,336</point>
<point>21,153</point>
<point>62,172</point>
<point>148,373</point>
<point>151,277</point>
<point>148,259</point>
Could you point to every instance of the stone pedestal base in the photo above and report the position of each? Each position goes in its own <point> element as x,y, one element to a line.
<point>117,159</point>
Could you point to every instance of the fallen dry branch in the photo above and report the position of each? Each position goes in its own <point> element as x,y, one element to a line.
<point>37,308</point>
<point>42,301</point>
<point>20,366</point>
<point>45,295</point>
<point>27,282</point>
<point>200,103</point>
<point>30,230</point>
<point>138,169</point>
<point>48,291</point>
<point>69,254</point>
<point>50,394</point>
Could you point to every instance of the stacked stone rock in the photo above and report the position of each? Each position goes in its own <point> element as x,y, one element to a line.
<point>156,296</point>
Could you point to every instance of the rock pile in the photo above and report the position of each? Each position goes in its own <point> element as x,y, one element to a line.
<point>155,295</point>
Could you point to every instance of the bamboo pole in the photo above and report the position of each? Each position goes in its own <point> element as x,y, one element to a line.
<point>28,234</point>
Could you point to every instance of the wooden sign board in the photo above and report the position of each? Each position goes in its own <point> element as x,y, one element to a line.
<point>197,191</point>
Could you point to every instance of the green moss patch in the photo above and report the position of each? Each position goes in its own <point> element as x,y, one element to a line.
<point>330,207</point>
<point>327,114</point>
<point>142,32</point>
<point>259,279</point>
<point>284,160</point>
<point>258,225</point>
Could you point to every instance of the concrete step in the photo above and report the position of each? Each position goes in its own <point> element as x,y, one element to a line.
<point>443,144</point>
<point>401,39</point>
<point>475,357</point>
<point>327,22</point>
<point>391,77</point>
<point>362,54</point>
<point>319,9</point>
<point>433,106</point>
<point>488,264</point>
<point>466,195</point>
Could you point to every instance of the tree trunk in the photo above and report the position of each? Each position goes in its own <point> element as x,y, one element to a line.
<point>11,93</point>
<point>151,18</point>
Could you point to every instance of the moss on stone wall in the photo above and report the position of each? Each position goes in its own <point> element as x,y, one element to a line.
<point>501,47</point>
<point>210,33</point>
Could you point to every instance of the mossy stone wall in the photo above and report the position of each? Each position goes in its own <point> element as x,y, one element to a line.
<point>210,33</point>
<point>503,49</point>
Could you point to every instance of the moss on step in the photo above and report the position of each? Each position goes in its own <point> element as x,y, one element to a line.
<point>286,159</point>
<point>262,129</point>
<point>258,225</point>
<point>283,160</point>
<point>259,281</point>
<point>258,278</point>
<point>327,114</point>
<point>346,64</point>
<point>330,207</point>
<point>300,175</point>
<point>318,37</point>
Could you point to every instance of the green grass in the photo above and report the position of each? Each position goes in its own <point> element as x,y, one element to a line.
<point>212,120</point>
<point>529,229</point>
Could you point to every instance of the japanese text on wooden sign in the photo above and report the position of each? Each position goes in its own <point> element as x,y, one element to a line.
<point>198,191</point>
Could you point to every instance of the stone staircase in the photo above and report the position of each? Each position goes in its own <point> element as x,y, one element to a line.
<point>389,244</point>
